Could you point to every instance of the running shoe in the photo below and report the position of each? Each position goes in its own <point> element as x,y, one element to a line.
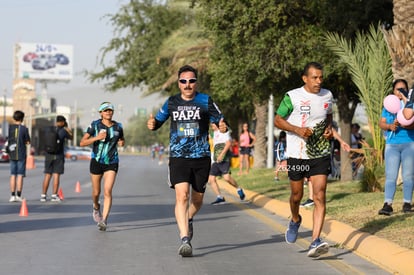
<point>386,210</point>
<point>55,198</point>
<point>102,225</point>
<point>241,194</point>
<point>219,201</point>
<point>43,198</point>
<point>317,248</point>
<point>190,229</point>
<point>12,199</point>
<point>407,207</point>
<point>185,249</point>
<point>19,199</point>
<point>307,203</point>
<point>96,214</point>
<point>292,232</point>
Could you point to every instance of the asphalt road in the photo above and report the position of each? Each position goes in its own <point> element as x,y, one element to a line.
<point>142,236</point>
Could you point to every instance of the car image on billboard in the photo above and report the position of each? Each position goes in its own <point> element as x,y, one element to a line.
<point>44,61</point>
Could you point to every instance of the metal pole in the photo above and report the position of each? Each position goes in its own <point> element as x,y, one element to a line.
<point>75,131</point>
<point>270,135</point>
<point>3,127</point>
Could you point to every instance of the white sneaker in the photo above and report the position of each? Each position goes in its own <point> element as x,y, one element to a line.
<point>43,198</point>
<point>18,199</point>
<point>55,198</point>
<point>12,199</point>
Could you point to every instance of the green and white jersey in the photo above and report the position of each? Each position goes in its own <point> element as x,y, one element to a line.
<point>305,109</point>
<point>219,142</point>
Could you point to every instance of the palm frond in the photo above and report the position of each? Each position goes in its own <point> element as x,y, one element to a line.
<point>369,63</point>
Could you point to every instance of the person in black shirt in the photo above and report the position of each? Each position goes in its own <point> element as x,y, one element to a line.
<point>16,148</point>
<point>55,162</point>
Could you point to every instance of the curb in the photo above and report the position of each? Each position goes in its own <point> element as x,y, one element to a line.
<point>381,252</point>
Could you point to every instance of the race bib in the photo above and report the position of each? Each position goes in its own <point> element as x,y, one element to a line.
<point>190,129</point>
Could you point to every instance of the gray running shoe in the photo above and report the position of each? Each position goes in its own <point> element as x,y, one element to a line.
<point>185,249</point>
<point>317,248</point>
<point>96,214</point>
<point>102,225</point>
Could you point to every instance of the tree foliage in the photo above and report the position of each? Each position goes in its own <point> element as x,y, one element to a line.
<point>137,133</point>
<point>244,50</point>
<point>140,27</point>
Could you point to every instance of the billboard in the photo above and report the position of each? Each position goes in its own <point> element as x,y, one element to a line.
<point>43,61</point>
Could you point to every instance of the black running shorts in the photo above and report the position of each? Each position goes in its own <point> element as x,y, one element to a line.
<point>220,168</point>
<point>305,168</point>
<point>54,166</point>
<point>193,171</point>
<point>97,168</point>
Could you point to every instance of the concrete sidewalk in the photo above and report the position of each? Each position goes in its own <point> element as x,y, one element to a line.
<point>381,252</point>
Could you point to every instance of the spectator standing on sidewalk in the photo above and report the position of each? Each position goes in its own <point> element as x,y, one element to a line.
<point>105,135</point>
<point>191,113</point>
<point>305,114</point>
<point>246,142</point>
<point>17,141</point>
<point>280,155</point>
<point>55,162</point>
<point>399,151</point>
<point>221,164</point>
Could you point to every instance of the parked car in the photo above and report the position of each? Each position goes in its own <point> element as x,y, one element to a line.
<point>28,57</point>
<point>44,62</point>
<point>4,157</point>
<point>78,153</point>
<point>61,59</point>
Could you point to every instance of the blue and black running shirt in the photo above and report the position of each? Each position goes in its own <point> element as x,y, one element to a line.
<point>106,151</point>
<point>190,122</point>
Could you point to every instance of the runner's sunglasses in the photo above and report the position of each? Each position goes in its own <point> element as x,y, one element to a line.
<point>184,81</point>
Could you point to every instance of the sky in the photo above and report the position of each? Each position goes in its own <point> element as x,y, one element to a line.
<point>81,23</point>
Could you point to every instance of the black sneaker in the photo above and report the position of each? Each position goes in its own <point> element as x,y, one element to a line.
<point>241,194</point>
<point>190,229</point>
<point>185,249</point>
<point>307,203</point>
<point>218,201</point>
<point>407,207</point>
<point>386,210</point>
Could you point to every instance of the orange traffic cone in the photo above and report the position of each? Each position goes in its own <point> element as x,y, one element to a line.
<point>30,162</point>
<point>23,209</point>
<point>78,187</point>
<point>60,194</point>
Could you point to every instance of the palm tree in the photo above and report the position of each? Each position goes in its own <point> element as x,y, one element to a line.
<point>369,64</point>
<point>400,40</point>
